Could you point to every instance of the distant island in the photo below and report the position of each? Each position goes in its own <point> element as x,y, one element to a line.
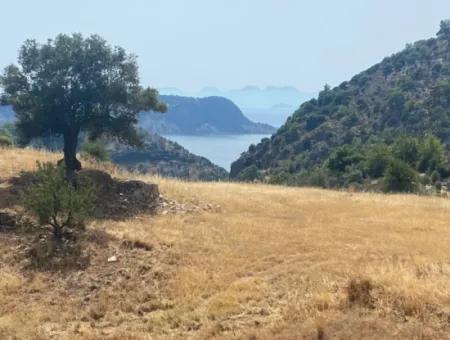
<point>200,116</point>
<point>270,105</point>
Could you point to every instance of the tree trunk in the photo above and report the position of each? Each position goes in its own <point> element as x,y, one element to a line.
<point>70,154</point>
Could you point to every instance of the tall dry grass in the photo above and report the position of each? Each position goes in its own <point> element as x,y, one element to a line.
<point>275,262</point>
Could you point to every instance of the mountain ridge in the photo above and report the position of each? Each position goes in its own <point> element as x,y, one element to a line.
<point>404,93</point>
<point>208,115</point>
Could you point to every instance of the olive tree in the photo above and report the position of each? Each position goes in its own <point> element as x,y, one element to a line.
<point>73,84</point>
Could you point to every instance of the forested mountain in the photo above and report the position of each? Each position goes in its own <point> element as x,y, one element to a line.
<point>406,93</point>
<point>192,116</point>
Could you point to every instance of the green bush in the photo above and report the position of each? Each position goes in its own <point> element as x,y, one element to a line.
<point>431,152</point>
<point>343,157</point>
<point>406,148</point>
<point>97,150</point>
<point>58,203</point>
<point>5,141</point>
<point>280,177</point>
<point>377,160</point>
<point>249,174</point>
<point>400,177</point>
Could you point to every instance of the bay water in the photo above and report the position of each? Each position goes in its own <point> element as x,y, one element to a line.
<point>222,150</point>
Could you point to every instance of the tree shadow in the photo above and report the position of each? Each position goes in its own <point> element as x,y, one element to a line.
<point>116,199</point>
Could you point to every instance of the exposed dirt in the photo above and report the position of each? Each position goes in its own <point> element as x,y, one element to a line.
<point>117,199</point>
<point>105,291</point>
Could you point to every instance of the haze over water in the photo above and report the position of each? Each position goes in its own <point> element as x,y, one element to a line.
<point>222,150</point>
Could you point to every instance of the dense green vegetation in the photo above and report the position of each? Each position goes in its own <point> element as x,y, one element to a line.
<point>6,135</point>
<point>73,84</point>
<point>328,139</point>
<point>406,164</point>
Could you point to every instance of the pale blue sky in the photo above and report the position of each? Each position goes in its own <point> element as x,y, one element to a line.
<point>232,43</point>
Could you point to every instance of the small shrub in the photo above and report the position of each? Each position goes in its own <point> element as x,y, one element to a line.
<point>249,174</point>
<point>359,292</point>
<point>5,141</point>
<point>400,177</point>
<point>97,150</point>
<point>58,203</point>
<point>435,176</point>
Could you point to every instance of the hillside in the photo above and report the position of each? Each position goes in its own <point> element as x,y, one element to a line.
<point>405,93</point>
<point>268,262</point>
<point>158,155</point>
<point>192,116</point>
<point>166,158</point>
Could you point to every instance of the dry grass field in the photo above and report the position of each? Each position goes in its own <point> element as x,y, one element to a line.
<point>267,262</point>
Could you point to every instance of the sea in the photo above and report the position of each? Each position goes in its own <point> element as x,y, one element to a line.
<point>222,150</point>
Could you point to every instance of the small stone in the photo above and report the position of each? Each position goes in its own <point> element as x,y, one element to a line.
<point>112,259</point>
<point>165,212</point>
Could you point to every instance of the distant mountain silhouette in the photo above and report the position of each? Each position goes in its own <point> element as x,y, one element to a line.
<point>249,96</point>
<point>270,105</point>
<point>210,115</point>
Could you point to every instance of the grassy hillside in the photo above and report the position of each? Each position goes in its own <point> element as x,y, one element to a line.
<point>266,262</point>
<point>407,92</point>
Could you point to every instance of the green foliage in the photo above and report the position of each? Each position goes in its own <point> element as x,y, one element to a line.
<point>249,174</point>
<point>314,121</point>
<point>406,148</point>
<point>431,153</point>
<point>73,84</point>
<point>356,128</point>
<point>400,177</point>
<point>444,28</point>
<point>281,177</point>
<point>5,141</point>
<point>6,135</point>
<point>435,176</point>
<point>58,203</point>
<point>377,160</point>
<point>97,150</point>
<point>343,157</point>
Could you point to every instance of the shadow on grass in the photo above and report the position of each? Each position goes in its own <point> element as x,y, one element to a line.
<point>116,199</point>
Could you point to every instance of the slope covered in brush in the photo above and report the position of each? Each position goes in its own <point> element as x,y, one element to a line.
<point>408,92</point>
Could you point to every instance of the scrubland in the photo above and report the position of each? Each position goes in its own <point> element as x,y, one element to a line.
<point>268,262</point>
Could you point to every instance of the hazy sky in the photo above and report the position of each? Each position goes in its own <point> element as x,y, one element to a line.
<point>232,43</point>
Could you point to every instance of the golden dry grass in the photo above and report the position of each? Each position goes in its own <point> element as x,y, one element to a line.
<point>272,262</point>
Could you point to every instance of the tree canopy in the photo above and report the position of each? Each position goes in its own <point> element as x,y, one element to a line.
<point>73,84</point>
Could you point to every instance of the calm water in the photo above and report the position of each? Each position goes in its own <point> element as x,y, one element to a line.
<point>221,150</point>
